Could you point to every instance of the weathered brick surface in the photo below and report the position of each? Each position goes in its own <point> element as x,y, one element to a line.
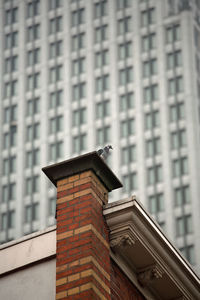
<point>121,286</point>
<point>83,261</point>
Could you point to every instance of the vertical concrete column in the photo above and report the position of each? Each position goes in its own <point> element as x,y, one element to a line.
<point>83,259</point>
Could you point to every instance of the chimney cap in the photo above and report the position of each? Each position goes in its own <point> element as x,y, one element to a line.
<point>79,164</point>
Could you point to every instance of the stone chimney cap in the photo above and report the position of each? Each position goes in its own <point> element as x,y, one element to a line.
<point>79,164</point>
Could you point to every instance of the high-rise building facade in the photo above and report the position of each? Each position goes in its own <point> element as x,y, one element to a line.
<point>77,75</point>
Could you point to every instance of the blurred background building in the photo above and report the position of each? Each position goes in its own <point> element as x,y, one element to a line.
<point>77,75</point>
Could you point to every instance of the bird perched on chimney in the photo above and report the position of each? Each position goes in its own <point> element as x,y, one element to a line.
<point>105,152</point>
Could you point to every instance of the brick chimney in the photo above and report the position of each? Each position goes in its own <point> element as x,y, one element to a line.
<point>83,258</point>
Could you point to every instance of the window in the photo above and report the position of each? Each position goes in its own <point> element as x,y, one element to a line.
<point>100,9</point>
<point>55,25</point>
<point>125,50</point>
<point>127,127</point>
<point>180,166</point>
<point>103,109</point>
<point>52,206</point>
<point>33,106</point>
<point>10,138</point>
<point>130,182</point>
<point>101,33</point>
<point>189,253</point>
<point>32,158</point>
<point>33,32</point>
<point>10,114</point>
<point>127,101</point>
<point>101,58</point>
<point>55,74</point>
<point>8,220</point>
<point>79,117</point>
<point>152,119</point>
<point>9,192</point>
<point>33,81</point>
<point>173,33</point>
<point>79,91</point>
<point>174,59</point>
<point>182,195</point>
<point>9,165</point>
<point>79,143</point>
<point>153,147</point>
<point>149,42</point>
<point>11,16</point>
<point>128,154</point>
<point>56,99</point>
<point>102,84</point>
<point>33,8</point>
<point>156,203</point>
<point>11,40</point>
<point>124,25</point>
<point>154,174</point>
<point>33,132</point>
<point>151,93</point>
<point>32,185</point>
<point>56,49</point>
<point>32,212</point>
<point>148,17</point>
<point>78,41</point>
<point>78,17</point>
<point>56,151</point>
<point>56,124</point>
<point>150,67</point>
<point>177,112</point>
<point>178,139</point>
<point>103,135</point>
<point>53,4</point>
<point>33,57</point>
<point>11,88</point>
<point>184,225</point>
<point>78,66</point>
<point>123,4</point>
<point>125,76</point>
<point>11,64</point>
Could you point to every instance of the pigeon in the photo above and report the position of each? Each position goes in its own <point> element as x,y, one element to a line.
<point>105,152</point>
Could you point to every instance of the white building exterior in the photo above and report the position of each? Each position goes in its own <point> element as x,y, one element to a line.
<point>77,75</point>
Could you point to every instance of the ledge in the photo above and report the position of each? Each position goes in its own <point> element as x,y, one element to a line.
<point>90,161</point>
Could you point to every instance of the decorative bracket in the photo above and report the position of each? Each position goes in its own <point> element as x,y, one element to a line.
<point>149,274</point>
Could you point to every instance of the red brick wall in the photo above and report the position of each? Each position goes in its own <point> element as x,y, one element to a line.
<point>121,287</point>
<point>83,259</point>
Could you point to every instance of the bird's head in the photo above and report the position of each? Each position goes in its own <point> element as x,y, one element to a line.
<point>110,147</point>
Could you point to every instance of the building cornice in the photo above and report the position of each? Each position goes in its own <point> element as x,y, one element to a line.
<point>138,243</point>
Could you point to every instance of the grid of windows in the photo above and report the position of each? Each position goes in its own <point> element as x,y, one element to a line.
<point>125,76</point>
<point>9,165</point>
<point>153,147</point>
<point>152,119</point>
<point>11,40</point>
<point>8,220</point>
<point>56,49</point>
<point>55,74</point>
<point>10,114</point>
<point>55,25</point>
<point>33,132</point>
<point>33,57</point>
<point>53,4</point>
<point>31,212</point>
<point>52,206</point>
<point>11,16</point>
<point>102,83</point>
<point>78,41</point>
<point>173,33</point>
<point>174,59</point>
<point>124,25</point>
<point>150,67</point>
<point>123,4</point>
<point>32,185</point>
<point>101,33</point>
<point>189,253</point>
<point>78,66</point>
<point>33,106</point>
<point>33,32</point>
<point>79,91</point>
<point>125,50</point>
<point>101,58</point>
<point>33,8</point>
<point>55,124</point>
<point>32,158</point>
<point>10,138</point>
<point>11,88</point>
<point>33,81</point>
<point>156,203</point>
<point>177,112</point>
